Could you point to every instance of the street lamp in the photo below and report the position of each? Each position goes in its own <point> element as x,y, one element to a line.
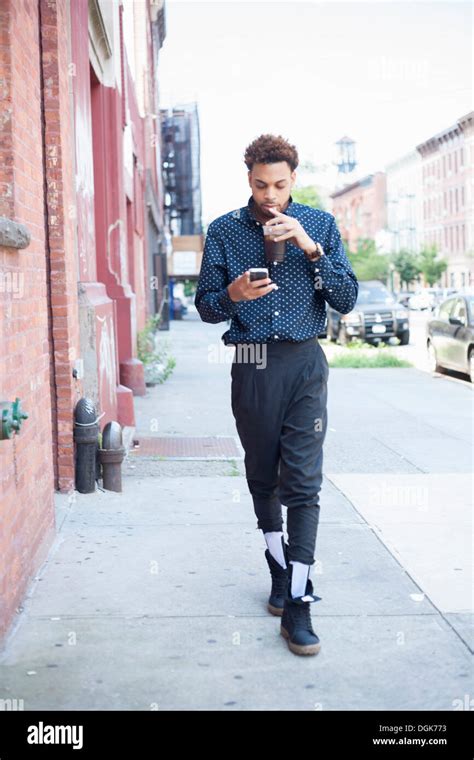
<point>391,268</point>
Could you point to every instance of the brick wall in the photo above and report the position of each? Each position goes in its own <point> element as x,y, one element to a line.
<point>38,327</point>
<point>61,220</point>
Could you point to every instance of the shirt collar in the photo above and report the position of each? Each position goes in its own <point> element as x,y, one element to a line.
<point>250,211</point>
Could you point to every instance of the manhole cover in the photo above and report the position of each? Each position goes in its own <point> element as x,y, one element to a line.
<point>187,448</point>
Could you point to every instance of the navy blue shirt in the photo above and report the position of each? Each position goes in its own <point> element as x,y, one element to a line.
<point>297,310</point>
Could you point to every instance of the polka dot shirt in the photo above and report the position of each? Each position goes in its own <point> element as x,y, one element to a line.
<point>297,310</point>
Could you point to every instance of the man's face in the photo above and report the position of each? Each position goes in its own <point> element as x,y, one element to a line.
<point>271,186</point>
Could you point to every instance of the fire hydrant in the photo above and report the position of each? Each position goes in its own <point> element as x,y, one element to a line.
<point>111,456</point>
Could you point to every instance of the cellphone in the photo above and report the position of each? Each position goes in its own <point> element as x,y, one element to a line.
<point>258,273</point>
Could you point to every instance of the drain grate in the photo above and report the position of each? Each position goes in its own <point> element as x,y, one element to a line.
<point>215,447</point>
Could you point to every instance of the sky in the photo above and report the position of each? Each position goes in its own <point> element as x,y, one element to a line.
<point>387,74</point>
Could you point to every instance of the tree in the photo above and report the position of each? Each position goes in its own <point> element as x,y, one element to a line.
<point>189,288</point>
<point>407,265</point>
<point>367,263</point>
<point>431,267</point>
<point>307,195</point>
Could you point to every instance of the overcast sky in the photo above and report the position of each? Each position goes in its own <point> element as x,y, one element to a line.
<point>387,74</point>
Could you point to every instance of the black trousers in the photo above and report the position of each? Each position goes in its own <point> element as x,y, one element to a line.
<point>279,402</point>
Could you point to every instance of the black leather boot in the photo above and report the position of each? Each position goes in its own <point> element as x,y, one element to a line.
<point>279,583</point>
<point>296,626</point>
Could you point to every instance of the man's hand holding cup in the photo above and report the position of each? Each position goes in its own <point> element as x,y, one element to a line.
<point>290,229</point>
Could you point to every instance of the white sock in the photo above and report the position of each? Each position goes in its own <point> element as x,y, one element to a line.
<point>275,541</point>
<point>299,578</point>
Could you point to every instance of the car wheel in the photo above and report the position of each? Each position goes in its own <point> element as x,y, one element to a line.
<point>342,336</point>
<point>404,338</point>
<point>432,359</point>
<point>471,364</point>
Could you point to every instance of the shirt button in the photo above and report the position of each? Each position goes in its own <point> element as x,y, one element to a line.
<point>316,269</point>
<point>276,313</point>
<point>276,337</point>
<point>330,290</point>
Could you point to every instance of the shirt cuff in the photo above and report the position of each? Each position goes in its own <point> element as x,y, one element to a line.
<point>228,305</point>
<point>323,268</point>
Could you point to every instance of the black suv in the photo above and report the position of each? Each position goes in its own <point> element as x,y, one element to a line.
<point>376,316</point>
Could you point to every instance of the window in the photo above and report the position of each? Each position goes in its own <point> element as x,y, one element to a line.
<point>370,293</point>
<point>461,156</point>
<point>456,202</point>
<point>446,307</point>
<point>462,197</point>
<point>459,310</point>
<point>457,237</point>
<point>444,166</point>
<point>470,306</point>
<point>463,279</point>
<point>452,280</point>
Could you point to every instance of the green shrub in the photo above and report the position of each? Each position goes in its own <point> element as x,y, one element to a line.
<point>155,355</point>
<point>361,360</point>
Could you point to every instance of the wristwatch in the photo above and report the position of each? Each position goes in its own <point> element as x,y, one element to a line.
<point>318,253</point>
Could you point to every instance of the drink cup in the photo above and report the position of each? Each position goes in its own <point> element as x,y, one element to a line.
<point>274,250</point>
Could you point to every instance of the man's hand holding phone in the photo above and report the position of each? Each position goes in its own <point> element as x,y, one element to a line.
<point>250,285</point>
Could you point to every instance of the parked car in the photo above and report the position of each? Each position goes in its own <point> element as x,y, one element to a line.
<point>403,296</point>
<point>450,336</point>
<point>441,294</point>
<point>179,308</point>
<point>429,298</point>
<point>422,299</point>
<point>377,316</point>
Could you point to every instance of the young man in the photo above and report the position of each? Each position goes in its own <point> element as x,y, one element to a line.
<point>279,404</point>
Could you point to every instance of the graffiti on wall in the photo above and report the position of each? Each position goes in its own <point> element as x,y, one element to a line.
<point>107,373</point>
<point>121,277</point>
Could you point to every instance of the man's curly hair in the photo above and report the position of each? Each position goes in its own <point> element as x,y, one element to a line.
<point>269,149</point>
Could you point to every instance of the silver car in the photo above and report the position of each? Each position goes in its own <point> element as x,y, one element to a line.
<point>450,336</point>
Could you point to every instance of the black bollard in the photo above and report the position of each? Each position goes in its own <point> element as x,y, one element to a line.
<point>111,457</point>
<point>86,432</point>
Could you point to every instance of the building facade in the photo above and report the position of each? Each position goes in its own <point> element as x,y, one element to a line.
<point>447,176</point>
<point>405,203</point>
<point>182,174</point>
<point>81,216</point>
<point>360,209</point>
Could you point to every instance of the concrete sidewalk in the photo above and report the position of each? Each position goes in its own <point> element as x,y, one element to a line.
<point>155,598</point>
